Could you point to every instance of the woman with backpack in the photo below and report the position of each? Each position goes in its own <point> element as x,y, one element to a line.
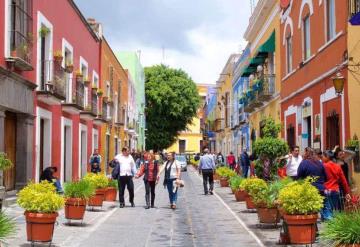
<point>150,169</point>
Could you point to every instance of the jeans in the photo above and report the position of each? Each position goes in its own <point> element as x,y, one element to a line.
<point>171,189</point>
<point>326,212</point>
<point>334,200</point>
<point>126,181</point>
<point>150,188</point>
<point>208,176</point>
<point>245,171</point>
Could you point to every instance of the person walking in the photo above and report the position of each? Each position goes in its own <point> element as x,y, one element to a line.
<point>95,161</point>
<point>220,159</point>
<point>150,170</point>
<point>335,179</point>
<point>310,166</point>
<point>207,169</point>
<point>172,175</point>
<point>231,161</point>
<point>124,171</point>
<point>293,162</point>
<point>245,163</point>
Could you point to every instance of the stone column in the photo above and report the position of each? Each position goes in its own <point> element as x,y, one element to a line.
<point>2,139</point>
<point>24,149</point>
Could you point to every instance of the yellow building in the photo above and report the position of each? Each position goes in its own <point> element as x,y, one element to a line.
<point>353,89</point>
<point>263,35</point>
<point>191,140</point>
<point>223,119</point>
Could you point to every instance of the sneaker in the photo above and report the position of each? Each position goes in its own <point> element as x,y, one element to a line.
<point>206,193</point>
<point>122,205</point>
<point>211,193</point>
<point>132,205</point>
<point>147,207</point>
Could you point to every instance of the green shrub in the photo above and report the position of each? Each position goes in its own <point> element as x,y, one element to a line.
<point>98,181</point>
<point>40,198</point>
<point>253,186</point>
<point>7,227</point>
<point>343,229</point>
<point>235,182</point>
<point>225,172</point>
<point>268,197</point>
<point>80,189</point>
<point>113,184</point>
<point>301,197</point>
<point>5,163</point>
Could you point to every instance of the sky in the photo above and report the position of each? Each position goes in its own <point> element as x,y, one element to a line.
<point>197,36</point>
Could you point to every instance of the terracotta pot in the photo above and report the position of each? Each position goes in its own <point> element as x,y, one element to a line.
<point>110,195</point>
<point>58,59</point>
<point>240,195</point>
<point>97,199</point>
<point>301,228</point>
<point>39,226</point>
<point>249,202</point>
<point>224,182</point>
<point>268,215</point>
<point>75,208</point>
<point>69,68</point>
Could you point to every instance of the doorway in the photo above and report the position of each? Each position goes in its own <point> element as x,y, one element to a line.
<point>10,149</point>
<point>309,131</point>
<point>83,154</point>
<point>332,130</point>
<point>182,146</point>
<point>290,134</point>
<point>67,168</point>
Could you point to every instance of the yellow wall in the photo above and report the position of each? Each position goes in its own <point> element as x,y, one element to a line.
<point>354,89</point>
<point>272,109</point>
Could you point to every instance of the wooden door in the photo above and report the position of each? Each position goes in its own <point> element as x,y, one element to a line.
<point>332,130</point>
<point>10,149</point>
<point>290,133</point>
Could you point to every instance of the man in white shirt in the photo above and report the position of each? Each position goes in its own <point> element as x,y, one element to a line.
<point>124,172</point>
<point>293,162</point>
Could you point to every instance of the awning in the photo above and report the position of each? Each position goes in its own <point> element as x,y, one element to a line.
<point>268,46</point>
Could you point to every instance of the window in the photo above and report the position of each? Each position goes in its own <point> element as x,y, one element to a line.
<point>289,54</point>
<point>21,29</point>
<point>331,22</point>
<point>306,30</point>
<point>354,7</point>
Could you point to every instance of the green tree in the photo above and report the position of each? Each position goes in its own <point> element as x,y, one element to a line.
<point>172,100</point>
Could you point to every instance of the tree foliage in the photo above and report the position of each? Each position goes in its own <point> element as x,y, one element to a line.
<point>172,101</point>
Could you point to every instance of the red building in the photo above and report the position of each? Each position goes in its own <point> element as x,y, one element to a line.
<point>313,51</point>
<point>66,101</point>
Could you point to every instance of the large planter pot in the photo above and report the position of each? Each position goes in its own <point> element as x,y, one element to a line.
<point>75,208</point>
<point>39,226</point>
<point>224,182</point>
<point>240,195</point>
<point>110,195</point>
<point>268,215</point>
<point>249,202</point>
<point>98,198</point>
<point>301,228</point>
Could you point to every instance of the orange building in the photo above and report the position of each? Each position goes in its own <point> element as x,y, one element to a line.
<point>313,50</point>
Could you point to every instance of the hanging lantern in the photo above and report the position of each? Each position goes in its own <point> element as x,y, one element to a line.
<point>338,82</point>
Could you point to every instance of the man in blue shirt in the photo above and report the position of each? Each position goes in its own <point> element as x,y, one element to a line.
<point>207,169</point>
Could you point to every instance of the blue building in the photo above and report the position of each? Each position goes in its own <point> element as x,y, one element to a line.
<point>210,116</point>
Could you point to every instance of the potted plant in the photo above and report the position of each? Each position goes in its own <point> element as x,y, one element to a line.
<point>268,149</point>
<point>235,183</point>
<point>353,144</point>
<point>78,75</point>
<point>111,191</point>
<point>301,202</point>
<point>225,174</point>
<point>87,81</point>
<point>41,204</point>
<point>266,201</point>
<point>43,31</point>
<point>100,92</point>
<point>5,164</point>
<point>69,66</point>
<point>58,57</point>
<point>343,230</point>
<point>76,195</point>
<point>94,88</point>
<point>99,182</point>
<point>7,227</point>
<point>252,186</point>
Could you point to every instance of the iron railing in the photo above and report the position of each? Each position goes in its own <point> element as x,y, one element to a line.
<point>53,78</point>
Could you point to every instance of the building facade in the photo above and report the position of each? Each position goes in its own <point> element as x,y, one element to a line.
<point>312,113</point>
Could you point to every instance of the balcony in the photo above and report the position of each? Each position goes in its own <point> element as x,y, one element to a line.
<point>90,111</point>
<point>252,101</point>
<point>267,88</point>
<point>52,83</point>
<point>75,104</point>
<point>219,125</point>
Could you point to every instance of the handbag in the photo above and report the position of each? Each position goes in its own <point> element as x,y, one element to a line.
<point>180,183</point>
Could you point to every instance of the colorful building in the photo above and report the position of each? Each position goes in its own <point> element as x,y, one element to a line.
<point>209,121</point>
<point>263,93</point>
<point>131,61</point>
<point>191,140</point>
<point>312,113</point>
<point>223,109</point>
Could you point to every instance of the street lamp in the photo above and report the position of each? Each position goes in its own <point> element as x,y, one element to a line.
<point>338,82</point>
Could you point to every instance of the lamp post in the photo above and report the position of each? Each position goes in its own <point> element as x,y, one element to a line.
<point>338,82</point>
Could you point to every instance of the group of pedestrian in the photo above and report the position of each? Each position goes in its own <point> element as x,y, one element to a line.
<point>330,170</point>
<point>125,169</point>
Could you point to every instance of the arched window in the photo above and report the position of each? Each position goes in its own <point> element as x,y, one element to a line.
<point>306,10</point>
<point>330,20</point>
<point>287,42</point>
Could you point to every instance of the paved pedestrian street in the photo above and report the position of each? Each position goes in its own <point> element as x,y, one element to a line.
<point>199,221</point>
